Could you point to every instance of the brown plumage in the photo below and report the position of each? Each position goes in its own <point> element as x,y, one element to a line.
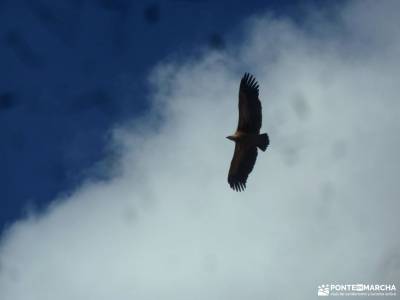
<point>247,137</point>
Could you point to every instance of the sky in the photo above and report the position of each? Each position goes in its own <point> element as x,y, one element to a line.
<point>150,214</point>
<point>76,68</point>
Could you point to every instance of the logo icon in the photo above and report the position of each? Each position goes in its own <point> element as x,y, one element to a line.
<point>323,290</point>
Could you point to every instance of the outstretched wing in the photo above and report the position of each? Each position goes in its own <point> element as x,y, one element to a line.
<point>250,117</point>
<point>242,164</point>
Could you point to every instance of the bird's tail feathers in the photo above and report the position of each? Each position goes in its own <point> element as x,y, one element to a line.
<point>263,141</point>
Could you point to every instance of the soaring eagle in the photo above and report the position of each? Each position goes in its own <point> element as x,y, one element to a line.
<point>247,137</point>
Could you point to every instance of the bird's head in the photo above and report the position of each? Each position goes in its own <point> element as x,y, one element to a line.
<point>231,137</point>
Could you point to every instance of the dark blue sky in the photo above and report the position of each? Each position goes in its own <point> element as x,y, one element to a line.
<point>72,69</point>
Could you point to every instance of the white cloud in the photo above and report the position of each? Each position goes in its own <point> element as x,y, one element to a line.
<point>321,205</point>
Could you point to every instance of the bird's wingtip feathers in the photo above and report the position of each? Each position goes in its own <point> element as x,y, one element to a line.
<point>236,184</point>
<point>249,82</point>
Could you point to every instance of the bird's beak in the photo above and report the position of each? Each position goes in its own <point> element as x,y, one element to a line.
<point>229,137</point>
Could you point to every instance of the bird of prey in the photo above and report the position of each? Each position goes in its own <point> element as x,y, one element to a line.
<point>247,137</point>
